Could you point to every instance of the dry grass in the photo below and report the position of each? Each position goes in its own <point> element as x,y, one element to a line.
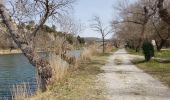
<point>60,71</point>
<point>89,52</point>
<point>82,84</point>
<point>41,96</point>
<point>20,91</point>
<point>71,84</point>
<point>109,48</point>
<point>48,95</point>
<point>77,63</point>
<point>59,66</point>
<point>86,54</point>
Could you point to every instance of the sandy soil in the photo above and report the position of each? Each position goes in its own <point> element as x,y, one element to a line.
<point>124,81</point>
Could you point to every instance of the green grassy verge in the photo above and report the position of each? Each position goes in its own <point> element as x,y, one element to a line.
<point>161,54</point>
<point>156,69</point>
<point>82,84</point>
<point>131,51</point>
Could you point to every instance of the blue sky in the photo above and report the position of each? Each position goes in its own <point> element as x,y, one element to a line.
<point>86,9</point>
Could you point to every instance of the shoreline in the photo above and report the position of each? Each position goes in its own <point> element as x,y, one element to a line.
<point>17,51</point>
<point>13,51</point>
<point>8,51</point>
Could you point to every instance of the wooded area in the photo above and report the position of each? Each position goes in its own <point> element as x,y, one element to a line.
<point>143,20</point>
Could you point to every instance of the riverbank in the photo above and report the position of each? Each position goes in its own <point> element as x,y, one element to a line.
<point>13,51</point>
<point>8,51</point>
<point>81,84</point>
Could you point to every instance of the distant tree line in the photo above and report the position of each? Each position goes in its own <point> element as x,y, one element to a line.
<point>80,40</point>
<point>144,20</point>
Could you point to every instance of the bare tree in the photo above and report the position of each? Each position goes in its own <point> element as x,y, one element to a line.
<point>150,17</point>
<point>139,14</point>
<point>98,26</point>
<point>25,9</point>
<point>162,33</point>
<point>69,25</point>
<point>163,12</point>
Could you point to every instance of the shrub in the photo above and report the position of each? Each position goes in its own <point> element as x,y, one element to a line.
<point>148,50</point>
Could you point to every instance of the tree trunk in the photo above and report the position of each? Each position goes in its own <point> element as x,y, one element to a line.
<point>143,36</point>
<point>43,66</point>
<point>103,41</point>
<point>137,49</point>
<point>163,12</point>
<point>116,45</point>
<point>159,46</point>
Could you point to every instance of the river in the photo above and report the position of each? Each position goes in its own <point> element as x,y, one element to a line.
<point>15,69</point>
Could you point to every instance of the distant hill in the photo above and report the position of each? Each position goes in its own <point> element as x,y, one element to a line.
<point>92,39</point>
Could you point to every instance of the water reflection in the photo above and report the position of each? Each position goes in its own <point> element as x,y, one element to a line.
<point>15,69</point>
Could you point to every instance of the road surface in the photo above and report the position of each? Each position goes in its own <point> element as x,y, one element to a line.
<point>124,81</point>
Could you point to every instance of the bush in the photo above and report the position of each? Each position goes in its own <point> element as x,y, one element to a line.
<point>148,50</point>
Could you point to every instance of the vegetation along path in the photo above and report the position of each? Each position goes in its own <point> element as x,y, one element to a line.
<point>124,81</point>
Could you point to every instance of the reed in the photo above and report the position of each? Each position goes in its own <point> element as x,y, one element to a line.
<point>59,66</point>
<point>20,91</point>
<point>109,48</point>
<point>41,96</point>
<point>61,70</point>
<point>89,52</point>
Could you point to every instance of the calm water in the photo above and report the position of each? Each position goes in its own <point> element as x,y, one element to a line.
<point>16,69</point>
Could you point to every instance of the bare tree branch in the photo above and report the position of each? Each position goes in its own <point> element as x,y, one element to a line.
<point>163,13</point>
<point>45,9</point>
<point>98,26</point>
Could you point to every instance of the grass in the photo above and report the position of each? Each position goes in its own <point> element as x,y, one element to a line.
<point>89,52</point>
<point>163,53</point>
<point>158,70</point>
<point>79,84</point>
<point>82,84</point>
<point>59,66</point>
<point>60,72</point>
<point>131,51</point>
<point>74,83</point>
<point>20,91</point>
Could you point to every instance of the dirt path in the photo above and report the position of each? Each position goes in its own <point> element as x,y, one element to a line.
<point>124,81</point>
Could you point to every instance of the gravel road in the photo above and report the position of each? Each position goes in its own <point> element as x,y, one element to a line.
<point>124,81</point>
